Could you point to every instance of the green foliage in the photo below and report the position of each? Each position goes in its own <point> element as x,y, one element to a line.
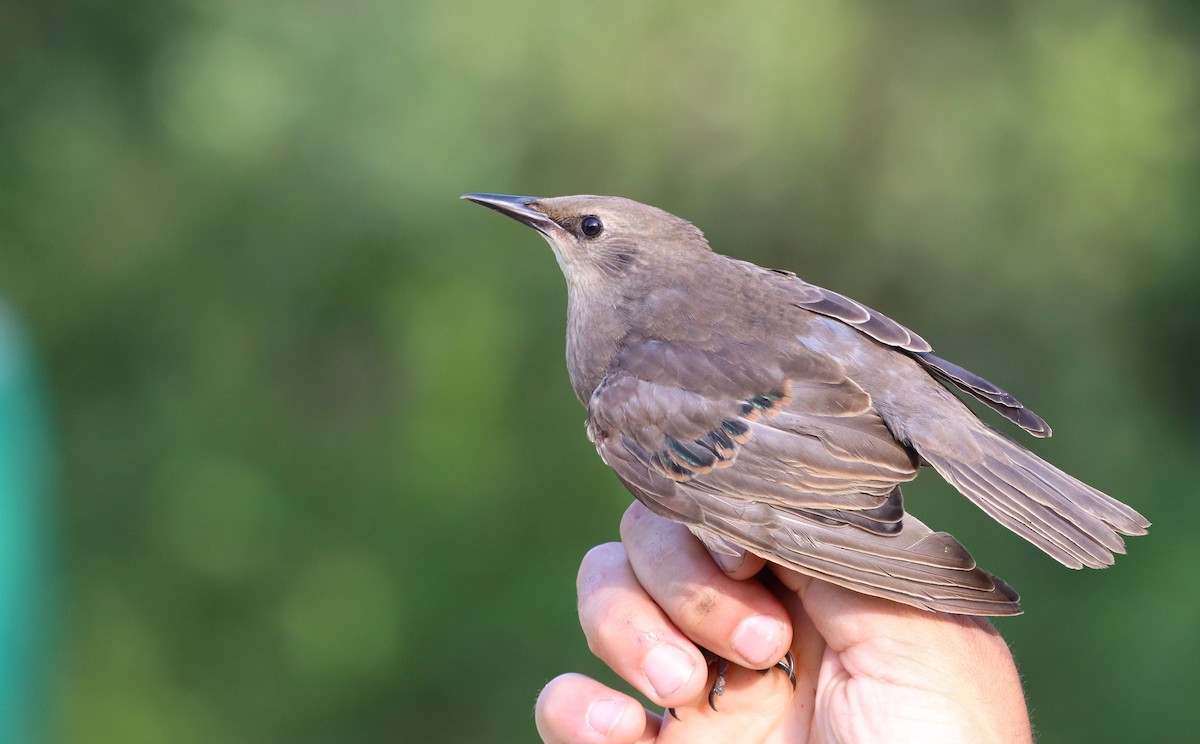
<point>322,476</point>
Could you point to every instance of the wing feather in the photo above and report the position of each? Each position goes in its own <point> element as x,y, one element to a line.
<point>887,331</point>
<point>853,313</point>
<point>789,461</point>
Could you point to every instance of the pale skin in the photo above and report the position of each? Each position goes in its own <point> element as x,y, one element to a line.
<point>867,669</point>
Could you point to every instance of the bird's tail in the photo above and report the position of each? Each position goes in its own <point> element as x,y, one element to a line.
<point>916,566</point>
<point>1074,523</point>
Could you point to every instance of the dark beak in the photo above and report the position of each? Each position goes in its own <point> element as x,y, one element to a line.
<point>518,207</point>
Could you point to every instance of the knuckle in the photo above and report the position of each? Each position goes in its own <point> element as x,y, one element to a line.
<point>632,519</point>
<point>609,626</point>
<point>597,569</point>
<point>602,556</point>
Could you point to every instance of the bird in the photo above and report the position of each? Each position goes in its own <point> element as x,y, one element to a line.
<point>776,417</point>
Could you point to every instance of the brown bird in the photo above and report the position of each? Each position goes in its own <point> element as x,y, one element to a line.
<point>773,415</point>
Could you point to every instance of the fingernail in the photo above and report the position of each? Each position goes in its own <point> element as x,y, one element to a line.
<point>668,668</point>
<point>603,714</point>
<point>757,640</point>
<point>729,563</point>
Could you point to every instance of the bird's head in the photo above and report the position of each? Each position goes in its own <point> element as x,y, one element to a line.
<point>601,241</point>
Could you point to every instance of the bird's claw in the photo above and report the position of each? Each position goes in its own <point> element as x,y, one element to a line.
<point>718,687</point>
<point>787,665</point>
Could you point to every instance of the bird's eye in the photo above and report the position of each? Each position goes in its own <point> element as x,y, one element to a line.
<point>591,226</point>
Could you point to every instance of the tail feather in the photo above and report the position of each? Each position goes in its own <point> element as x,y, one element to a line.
<point>1072,522</point>
<point>1042,527</point>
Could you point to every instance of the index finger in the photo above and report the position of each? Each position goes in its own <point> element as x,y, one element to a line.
<point>738,620</point>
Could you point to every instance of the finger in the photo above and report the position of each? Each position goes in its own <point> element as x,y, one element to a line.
<point>960,658</point>
<point>755,707</point>
<point>574,709</point>
<point>844,617</point>
<point>631,634</point>
<point>737,620</point>
<point>733,560</point>
<point>847,620</point>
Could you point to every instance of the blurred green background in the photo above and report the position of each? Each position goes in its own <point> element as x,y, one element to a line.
<point>320,473</point>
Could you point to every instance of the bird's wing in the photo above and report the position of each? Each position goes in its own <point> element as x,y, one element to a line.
<point>857,315</point>
<point>786,459</point>
<point>887,331</point>
<point>802,432</point>
<point>1073,522</point>
<point>989,394</point>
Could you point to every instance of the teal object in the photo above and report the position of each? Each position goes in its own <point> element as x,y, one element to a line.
<point>25,486</point>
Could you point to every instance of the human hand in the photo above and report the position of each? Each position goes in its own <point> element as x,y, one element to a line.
<point>867,669</point>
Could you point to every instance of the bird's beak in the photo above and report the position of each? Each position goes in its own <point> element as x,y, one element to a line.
<point>518,207</point>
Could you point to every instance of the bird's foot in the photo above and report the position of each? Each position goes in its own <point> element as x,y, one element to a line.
<point>787,665</point>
